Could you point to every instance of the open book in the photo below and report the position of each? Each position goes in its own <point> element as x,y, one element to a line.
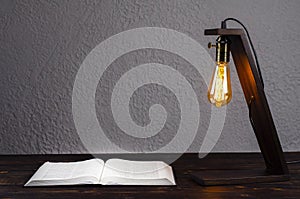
<point>95,171</point>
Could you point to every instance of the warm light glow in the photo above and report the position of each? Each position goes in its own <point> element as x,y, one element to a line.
<point>219,91</point>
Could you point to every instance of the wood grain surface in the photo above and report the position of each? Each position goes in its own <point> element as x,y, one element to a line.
<point>15,170</point>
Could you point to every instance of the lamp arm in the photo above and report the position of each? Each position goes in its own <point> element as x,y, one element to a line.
<point>224,26</point>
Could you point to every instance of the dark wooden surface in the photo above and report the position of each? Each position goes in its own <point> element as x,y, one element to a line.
<point>16,170</point>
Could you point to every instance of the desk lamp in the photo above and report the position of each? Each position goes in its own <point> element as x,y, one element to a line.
<point>219,94</point>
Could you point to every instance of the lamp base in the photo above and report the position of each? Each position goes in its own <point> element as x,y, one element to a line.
<point>229,177</point>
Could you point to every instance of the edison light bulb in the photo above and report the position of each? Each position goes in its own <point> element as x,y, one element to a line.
<point>219,91</point>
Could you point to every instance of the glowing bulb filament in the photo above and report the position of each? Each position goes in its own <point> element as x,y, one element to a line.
<point>219,92</point>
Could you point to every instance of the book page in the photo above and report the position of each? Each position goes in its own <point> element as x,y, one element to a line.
<point>64,173</point>
<point>125,172</point>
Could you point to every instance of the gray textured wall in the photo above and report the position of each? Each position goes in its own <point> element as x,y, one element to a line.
<point>43,44</point>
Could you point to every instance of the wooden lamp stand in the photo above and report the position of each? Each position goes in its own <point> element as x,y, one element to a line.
<point>260,118</point>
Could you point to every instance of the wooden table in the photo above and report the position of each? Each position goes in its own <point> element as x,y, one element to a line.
<point>15,170</point>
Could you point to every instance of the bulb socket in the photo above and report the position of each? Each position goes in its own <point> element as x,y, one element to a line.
<point>222,49</point>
